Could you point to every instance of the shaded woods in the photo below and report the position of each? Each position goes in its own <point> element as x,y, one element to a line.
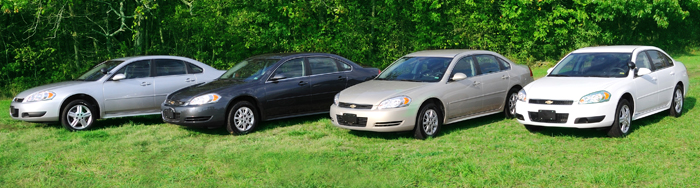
<point>46,41</point>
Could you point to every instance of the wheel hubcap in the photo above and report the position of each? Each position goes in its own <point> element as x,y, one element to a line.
<point>79,117</point>
<point>430,122</point>
<point>243,119</point>
<point>624,119</point>
<point>679,101</point>
<point>511,106</point>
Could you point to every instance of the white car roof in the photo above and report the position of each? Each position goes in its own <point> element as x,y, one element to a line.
<point>612,49</point>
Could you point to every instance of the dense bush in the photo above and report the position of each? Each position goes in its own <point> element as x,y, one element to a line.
<point>53,40</point>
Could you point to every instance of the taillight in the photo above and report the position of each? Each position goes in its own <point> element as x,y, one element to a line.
<point>530,71</point>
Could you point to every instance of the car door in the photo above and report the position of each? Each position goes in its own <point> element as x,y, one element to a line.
<point>646,86</point>
<point>665,76</point>
<point>326,80</point>
<point>462,98</point>
<point>134,93</point>
<point>170,75</point>
<point>494,80</point>
<point>288,96</point>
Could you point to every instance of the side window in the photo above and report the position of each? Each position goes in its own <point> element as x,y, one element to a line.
<point>487,64</point>
<point>504,64</point>
<point>166,67</point>
<point>139,69</point>
<point>667,60</point>
<point>292,68</point>
<point>344,66</point>
<point>657,60</point>
<point>194,69</point>
<point>643,61</point>
<point>464,65</point>
<point>322,65</point>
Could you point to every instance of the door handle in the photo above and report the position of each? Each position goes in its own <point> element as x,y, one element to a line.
<point>189,80</point>
<point>653,78</point>
<point>145,83</point>
<point>673,73</point>
<point>301,83</point>
<point>341,78</point>
<point>476,83</point>
<point>505,77</point>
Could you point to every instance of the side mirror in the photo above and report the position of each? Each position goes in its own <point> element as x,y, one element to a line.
<point>550,70</point>
<point>458,76</point>
<point>277,77</point>
<point>118,77</point>
<point>103,70</point>
<point>643,71</point>
<point>632,65</point>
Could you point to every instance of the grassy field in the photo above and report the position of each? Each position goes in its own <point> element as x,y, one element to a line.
<point>661,151</point>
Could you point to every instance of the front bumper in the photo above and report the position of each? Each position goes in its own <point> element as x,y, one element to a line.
<point>40,111</point>
<point>571,116</point>
<point>385,120</point>
<point>202,116</point>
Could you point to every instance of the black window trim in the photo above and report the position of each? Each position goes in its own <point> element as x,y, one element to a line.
<point>154,67</point>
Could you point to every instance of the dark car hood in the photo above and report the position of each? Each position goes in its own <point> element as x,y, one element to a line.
<point>216,86</point>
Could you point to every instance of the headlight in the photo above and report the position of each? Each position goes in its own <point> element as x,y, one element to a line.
<point>335,99</point>
<point>204,99</point>
<point>595,97</point>
<point>395,102</point>
<point>40,96</point>
<point>522,96</point>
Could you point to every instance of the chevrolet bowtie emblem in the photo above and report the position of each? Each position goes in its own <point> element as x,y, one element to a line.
<point>548,102</point>
<point>353,106</point>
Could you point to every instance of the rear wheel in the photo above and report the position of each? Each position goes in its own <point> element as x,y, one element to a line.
<point>676,102</point>
<point>77,115</point>
<point>623,120</point>
<point>509,107</point>
<point>242,118</point>
<point>428,122</point>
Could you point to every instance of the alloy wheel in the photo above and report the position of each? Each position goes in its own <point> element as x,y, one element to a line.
<point>430,122</point>
<point>678,100</point>
<point>244,118</point>
<point>624,119</point>
<point>79,117</point>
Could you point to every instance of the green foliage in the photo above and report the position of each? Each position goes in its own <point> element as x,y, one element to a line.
<point>80,34</point>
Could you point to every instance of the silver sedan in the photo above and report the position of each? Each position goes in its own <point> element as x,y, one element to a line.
<point>425,89</point>
<point>129,86</point>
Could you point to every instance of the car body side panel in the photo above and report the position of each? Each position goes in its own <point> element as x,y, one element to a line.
<point>129,95</point>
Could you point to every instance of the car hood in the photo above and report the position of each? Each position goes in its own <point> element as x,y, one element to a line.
<point>52,86</point>
<point>216,86</point>
<point>374,91</point>
<point>567,88</point>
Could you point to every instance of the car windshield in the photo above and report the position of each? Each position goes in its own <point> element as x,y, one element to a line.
<point>593,65</point>
<point>249,69</point>
<point>95,73</point>
<point>416,69</point>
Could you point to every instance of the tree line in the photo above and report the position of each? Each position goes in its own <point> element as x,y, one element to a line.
<point>46,41</point>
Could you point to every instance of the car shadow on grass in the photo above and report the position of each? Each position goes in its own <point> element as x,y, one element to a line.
<point>265,125</point>
<point>444,130</point>
<point>602,132</point>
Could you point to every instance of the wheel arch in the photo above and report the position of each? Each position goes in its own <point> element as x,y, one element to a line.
<point>437,102</point>
<point>631,101</point>
<point>82,96</point>
<point>251,99</point>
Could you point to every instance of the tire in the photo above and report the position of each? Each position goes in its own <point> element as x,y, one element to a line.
<point>77,115</point>
<point>242,118</point>
<point>511,99</point>
<point>676,108</point>
<point>533,128</point>
<point>623,120</point>
<point>428,122</point>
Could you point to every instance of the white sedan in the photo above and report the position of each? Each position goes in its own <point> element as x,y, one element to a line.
<point>606,86</point>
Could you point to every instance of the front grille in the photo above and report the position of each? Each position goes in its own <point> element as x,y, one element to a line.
<point>551,102</point>
<point>174,103</point>
<point>355,106</point>
<point>559,118</point>
<point>170,114</point>
<point>387,124</point>
<point>18,99</point>
<point>14,112</point>
<point>361,121</point>
<point>202,118</point>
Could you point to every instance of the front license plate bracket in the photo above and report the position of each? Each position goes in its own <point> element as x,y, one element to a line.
<point>350,118</point>
<point>547,115</point>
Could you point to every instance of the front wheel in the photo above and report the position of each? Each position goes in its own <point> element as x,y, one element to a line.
<point>428,122</point>
<point>623,120</point>
<point>242,118</point>
<point>509,107</point>
<point>676,102</point>
<point>77,115</point>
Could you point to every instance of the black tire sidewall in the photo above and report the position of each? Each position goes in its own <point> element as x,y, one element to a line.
<point>64,113</point>
<point>229,119</point>
<point>672,109</point>
<point>506,107</point>
<point>418,129</point>
<point>615,128</point>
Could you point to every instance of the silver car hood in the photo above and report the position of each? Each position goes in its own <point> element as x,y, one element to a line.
<point>48,87</point>
<point>374,91</point>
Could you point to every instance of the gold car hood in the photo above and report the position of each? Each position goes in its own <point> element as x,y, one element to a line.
<point>374,91</point>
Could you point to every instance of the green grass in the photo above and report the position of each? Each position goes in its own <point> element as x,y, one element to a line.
<point>661,151</point>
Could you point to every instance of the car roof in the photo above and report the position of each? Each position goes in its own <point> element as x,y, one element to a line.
<point>612,49</point>
<point>287,55</point>
<point>147,57</point>
<point>444,53</point>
